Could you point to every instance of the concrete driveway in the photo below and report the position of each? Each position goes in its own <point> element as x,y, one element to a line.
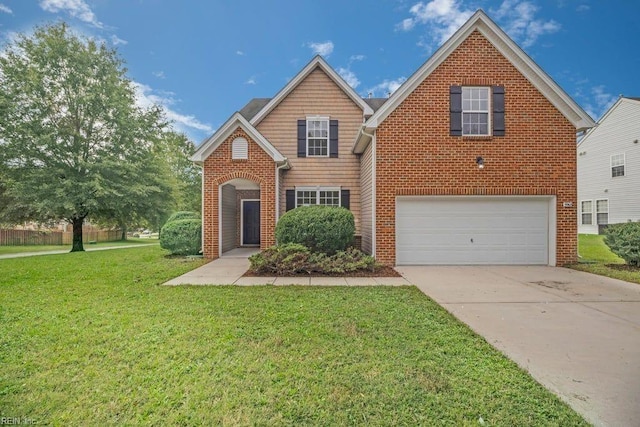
<point>576,333</point>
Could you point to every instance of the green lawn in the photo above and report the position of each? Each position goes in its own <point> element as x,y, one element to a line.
<point>91,338</point>
<point>45,248</point>
<point>595,256</point>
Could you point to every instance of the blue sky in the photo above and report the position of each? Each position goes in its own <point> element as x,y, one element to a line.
<point>204,59</point>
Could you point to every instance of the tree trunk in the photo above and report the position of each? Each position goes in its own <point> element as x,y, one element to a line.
<point>77,235</point>
<point>123,228</point>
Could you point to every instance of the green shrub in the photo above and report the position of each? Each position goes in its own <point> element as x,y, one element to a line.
<point>176,216</point>
<point>319,228</point>
<point>293,259</point>
<point>182,237</point>
<point>624,241</point>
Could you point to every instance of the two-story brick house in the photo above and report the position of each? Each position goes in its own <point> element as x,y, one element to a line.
<point>471,161</point>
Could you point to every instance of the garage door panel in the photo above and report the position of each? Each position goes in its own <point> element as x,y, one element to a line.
<point>491,230</point>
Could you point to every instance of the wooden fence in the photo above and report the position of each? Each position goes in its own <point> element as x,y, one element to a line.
<point>34,237</point>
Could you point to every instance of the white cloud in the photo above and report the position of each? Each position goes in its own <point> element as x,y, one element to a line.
<point>147,97</point>
<point>349,77</point>
<point>386,87</point>
<point>115,40</point>
<point>443,17</point>
<point>239,53</point>
<point>599,102</point>
<point>251,81</point>
<point>76,8</point>
<point>520,22</point>
<point>354,58</point>
<point>322,49</point>
<point>583,8</point>
<point>5,9</point>
<point>159,74</point>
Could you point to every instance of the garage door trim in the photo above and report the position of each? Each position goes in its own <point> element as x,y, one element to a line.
<point>551,216</point>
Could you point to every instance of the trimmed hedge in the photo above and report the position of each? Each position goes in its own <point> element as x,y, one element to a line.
<point>624,241</point>
<point>319,228</point>
<point>183,215</point>
<point>182,237</point>
<point>293,258</point>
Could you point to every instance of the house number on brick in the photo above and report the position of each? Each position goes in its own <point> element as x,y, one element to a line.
<point>567,204</point>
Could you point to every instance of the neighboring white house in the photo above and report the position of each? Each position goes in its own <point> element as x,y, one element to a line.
<point>609,169</point>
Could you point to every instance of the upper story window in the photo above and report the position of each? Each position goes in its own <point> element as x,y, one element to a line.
<point>617,165</point>
<point>318,137</point>
<point>239,149</point>
<point>475,111</point>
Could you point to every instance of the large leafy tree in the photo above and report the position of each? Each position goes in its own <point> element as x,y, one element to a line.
<point>187,177</point>
<point>73,143</point>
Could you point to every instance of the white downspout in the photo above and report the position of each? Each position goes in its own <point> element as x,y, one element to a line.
<point>373,189</point>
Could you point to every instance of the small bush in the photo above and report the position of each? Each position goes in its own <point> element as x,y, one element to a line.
<point>182,237</point>
<point>176,216</point>
<point>319,228</point>
<point>624,241</point>
<point>293,259</point>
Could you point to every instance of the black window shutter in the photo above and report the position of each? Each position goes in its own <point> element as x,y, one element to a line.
<point>345,199</point>
<point>291,200</point>
<point>333,138</point>
<point>302,138</point>
<point>455,105</point>
<point>498,110</point>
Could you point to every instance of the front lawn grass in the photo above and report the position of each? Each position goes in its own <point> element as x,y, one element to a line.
<point>596,258</point>
<point>91,338</point>
<point>45,248</point>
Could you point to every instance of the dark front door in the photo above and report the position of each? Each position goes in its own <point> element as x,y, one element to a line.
<point>251,222</point>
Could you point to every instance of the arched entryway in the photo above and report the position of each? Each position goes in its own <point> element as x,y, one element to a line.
<point>239,213</point>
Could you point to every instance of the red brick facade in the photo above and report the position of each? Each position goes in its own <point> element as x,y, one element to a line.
<point>218,169</point>
<point>415,155</point>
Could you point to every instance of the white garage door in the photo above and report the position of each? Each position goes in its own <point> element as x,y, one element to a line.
<point>472,230</point>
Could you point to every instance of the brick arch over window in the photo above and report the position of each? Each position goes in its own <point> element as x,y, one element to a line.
<point>238,174</point>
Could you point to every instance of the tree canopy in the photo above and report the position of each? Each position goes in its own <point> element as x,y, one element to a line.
<point>73,142</point>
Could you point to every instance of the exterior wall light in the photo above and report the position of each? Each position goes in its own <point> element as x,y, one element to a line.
<point>480,162</point>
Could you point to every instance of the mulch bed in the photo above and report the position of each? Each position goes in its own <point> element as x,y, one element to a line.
<point>381,271</point>
<point>624,267</point>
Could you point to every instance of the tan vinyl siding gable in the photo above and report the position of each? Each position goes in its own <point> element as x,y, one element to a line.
<point>317,95</point>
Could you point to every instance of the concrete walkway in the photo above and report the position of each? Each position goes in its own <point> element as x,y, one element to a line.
<point>576,333</point>
<point>66,251</point>
<point>228,270</point>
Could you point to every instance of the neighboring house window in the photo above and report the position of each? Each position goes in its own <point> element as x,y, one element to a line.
<point>617,165</point>
<point>318,137</point>
<point>318,196</point>
<point>239,149</point>
<point>587,212</point>
<point>475,111</point>
<point>602,211</point>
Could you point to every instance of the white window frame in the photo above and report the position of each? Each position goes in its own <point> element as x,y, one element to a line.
<point>598,212</point>
<point>583,212</point>
<point>240,152</point>
<point>318,119</point>
<point>317,191</point>
<point>471,111</point>
<point>618,164</point>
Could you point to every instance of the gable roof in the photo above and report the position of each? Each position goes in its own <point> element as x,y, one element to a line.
<point>210,144</point>
<point>509,49</point>
<point>316,62</point>
<point>621,99</point>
